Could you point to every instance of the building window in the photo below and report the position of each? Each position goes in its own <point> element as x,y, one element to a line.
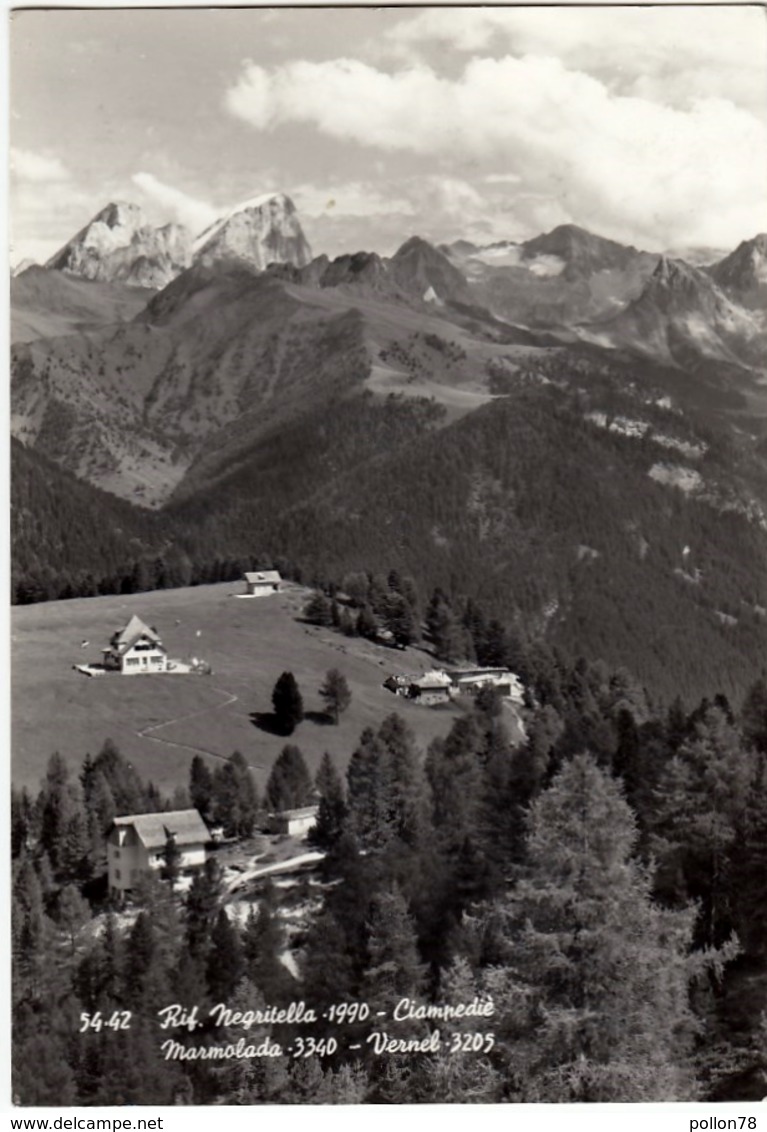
<point>116,852</point>
<point>117,874</point>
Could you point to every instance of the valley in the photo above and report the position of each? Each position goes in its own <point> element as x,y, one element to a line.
<point>369,410</point>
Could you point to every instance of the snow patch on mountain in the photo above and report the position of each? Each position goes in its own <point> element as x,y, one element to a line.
<point>431,296</point>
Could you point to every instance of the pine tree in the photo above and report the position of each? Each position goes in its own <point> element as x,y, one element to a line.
<point>225,959</point>
<point>318,610</point>
<point>202,905</point>
<point>155,898</point>
<point>508,785</point>
<point>699,805</point>
<point>125,784</point>
<point>235,799</point>
<point>346,623</point>
<point>201,787</point>
<point>328,967</point>
<point>31,931</point>
<point>171,856</point>
<point>355,586</point>
<point>140,954</point>
<point>72,914</point>
<point>287,702</point>
<point>749,858</point>
<point>262,942</point>
<point>101,811</point>
<point>289,785</point>
<point>21,821</point>
<point>590,977</point>
<point>366,624</point>
<point>362,777</point>
<point>387,789</point>
<point>627,761</point>
<point>394,968</point>
<point>441,625</point>
<point>332,811</point>
<point>378,594</point>
<point>754,715</point>
<point>399,619</point>
<point>64,834</point>
<point>42,1075</point>
<point>336,694</point>
<point>455,774</point>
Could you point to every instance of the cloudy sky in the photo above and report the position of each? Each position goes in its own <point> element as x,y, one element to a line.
<point>648,125</point>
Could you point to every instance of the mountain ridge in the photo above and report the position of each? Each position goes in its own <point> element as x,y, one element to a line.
<point>346,413</point>
<point>117,245</point>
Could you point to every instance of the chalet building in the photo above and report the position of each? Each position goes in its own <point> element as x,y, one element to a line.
<point>136,650</point>
<point>430,688</point>
<point>136,845</point>
<point>294,823</point>
<point>261,582</point>
<point>438,686</point>
<point>471,680</point>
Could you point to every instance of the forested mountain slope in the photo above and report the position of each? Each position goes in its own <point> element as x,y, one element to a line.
<point>337,416</point>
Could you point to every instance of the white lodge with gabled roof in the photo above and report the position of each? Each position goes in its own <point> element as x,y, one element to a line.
<point>136,649</point>
<point>261,582</point>
<point>136,845</point>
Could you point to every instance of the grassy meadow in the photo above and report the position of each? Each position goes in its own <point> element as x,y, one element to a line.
<point>160,722</point>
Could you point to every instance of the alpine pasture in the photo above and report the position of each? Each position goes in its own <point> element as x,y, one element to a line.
<point>161,721</point>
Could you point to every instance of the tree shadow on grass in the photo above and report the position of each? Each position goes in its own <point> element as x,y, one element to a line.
<point>267,721</point>
<point>323,718</point>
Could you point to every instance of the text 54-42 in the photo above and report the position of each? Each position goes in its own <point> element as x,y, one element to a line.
<point>117,1020</point>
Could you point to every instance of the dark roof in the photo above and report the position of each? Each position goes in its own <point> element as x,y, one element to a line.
<point>134,631</point>
<point>302,812</point>
<point>153,830</point>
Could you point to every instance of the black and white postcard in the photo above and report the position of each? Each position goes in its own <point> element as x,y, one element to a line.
<point>388,404</point>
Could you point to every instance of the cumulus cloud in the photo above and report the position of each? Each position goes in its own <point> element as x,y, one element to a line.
<point>668,53</point>
<point>43,195</point>
<point>622,164</point>
<point>37,168</point>
<point>354,198</point>
<point>194,214</point>
<point>380,215</point>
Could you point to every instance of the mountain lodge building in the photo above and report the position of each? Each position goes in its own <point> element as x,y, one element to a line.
<point>136,845</point>
<point>136,649</point>
<point>261,582</point>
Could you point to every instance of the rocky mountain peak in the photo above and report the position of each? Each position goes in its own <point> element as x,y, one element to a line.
<point>677,278</point>
<point>744,272</point>
<point>361,267</point>
<point>117,245</point>
<point>120,214</point>
<point>582,252</point>
<point>257,232</point>
<point>419,268</point>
